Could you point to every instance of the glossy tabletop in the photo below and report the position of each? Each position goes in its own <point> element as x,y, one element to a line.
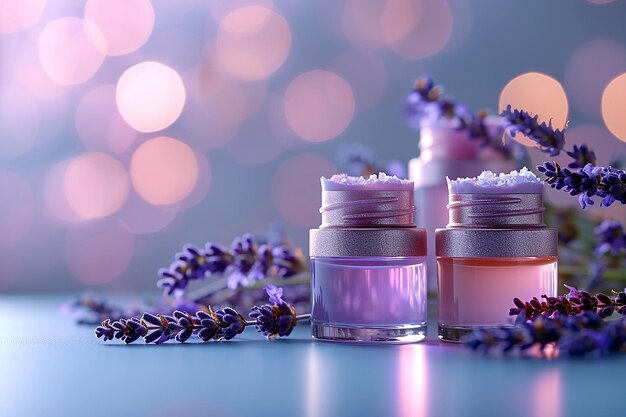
<point>51,367</point>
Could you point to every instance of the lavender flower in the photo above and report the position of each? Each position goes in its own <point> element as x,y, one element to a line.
<point>610,238</point>
<point>128,330</point>
<point>231,323</point>
<point>192,264</point>
<point>276,319</point>
<point>574,336</point>
<point>588,182</point>
<point>426,105</point>
<point>158,329</point>
<point>582,155</point>
<point>547,138</point>
<point>243,263</point>
<point>574,303</point>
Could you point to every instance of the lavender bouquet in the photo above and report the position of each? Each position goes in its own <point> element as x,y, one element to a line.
<point>587,181</point>
<point>233,276</point>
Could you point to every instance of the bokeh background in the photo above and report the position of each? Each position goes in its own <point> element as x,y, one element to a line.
<point>130,127</point>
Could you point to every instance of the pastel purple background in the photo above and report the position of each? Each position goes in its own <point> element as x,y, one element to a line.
<point>270,89</point>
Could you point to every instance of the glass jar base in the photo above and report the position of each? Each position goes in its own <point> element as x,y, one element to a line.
<point>362,334</point>
<point>454,334</point>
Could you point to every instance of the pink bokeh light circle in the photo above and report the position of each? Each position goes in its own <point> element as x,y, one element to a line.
<point>164,170</point>
<point>71,50</point>
<point>56,205</point>
<point>592,66</point>
<point>252,42</point>
<point>422,38</point>
<point>125,24</point>
<point>17,15</point>
<point>16,208</point>
<point>96,185</point>
<point>98,252</point>
<point>140,217</point>
<point>361,22</point>
<point>150,96</point>
<point>255,145</point>
<point>98,123</point>
<point>366,74</point>
<point>319,105</point>
<point>29,74</point>
<point>203,184</point>
<point>19,121</point>
<point>296,188</point>
<point>614,106</point>
<point>218,10</point>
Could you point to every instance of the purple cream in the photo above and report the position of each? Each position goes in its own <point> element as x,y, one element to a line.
<point>368,262</point>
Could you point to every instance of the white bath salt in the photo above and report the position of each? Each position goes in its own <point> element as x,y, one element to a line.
<point>522,182</point>
<point>382,181</point>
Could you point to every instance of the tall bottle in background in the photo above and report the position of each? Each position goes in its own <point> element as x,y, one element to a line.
<point>446,149</point>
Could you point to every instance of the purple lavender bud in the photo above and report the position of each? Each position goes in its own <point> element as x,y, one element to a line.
<point>286,262</point>
<point>217,257</point>
<point>274,293</point>
<point>610,238</point>
<point>274,320</point>
<point>259,269</point>
<point>129,330</point>
<point>207,325</point>
<point>548,139</point>
<point>231,323</point>
<point>582,156</point>
<point>105,331</point>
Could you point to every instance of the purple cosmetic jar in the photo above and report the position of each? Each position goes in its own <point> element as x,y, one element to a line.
<point>368,270</point>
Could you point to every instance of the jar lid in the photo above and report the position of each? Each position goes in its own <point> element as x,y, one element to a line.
<point>496,243</point>
<point>391,242</point>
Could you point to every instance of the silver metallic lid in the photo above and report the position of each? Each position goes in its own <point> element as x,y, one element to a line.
<point>368,221</point>
<point>340,243</point>
<point>496,243</point>
<point>496,211</point>
<point>496,226</point>
<point>367,208</point>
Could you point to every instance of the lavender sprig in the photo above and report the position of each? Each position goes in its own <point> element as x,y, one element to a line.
<point>588,182</point>
<point>426,104</point>
<point>573,336</point>
<point>275,319</point>
<point>574,303</point>
<point>243,263</point>
<point>547,138</point>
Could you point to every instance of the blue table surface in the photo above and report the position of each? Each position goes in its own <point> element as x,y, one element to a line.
<point>50,366</point>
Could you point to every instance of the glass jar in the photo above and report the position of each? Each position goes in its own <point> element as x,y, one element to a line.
<point>369,298</point>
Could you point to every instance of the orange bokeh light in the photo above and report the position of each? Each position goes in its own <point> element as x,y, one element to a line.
<point>150,96</point>
<point>125,24</point>
<point>614,106</point>
<point>538,94</point>
<point>96,185</point>
<point>319,105</point>
<point>164,170</point>
<point>71,50</point>
<point>253,42</point>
